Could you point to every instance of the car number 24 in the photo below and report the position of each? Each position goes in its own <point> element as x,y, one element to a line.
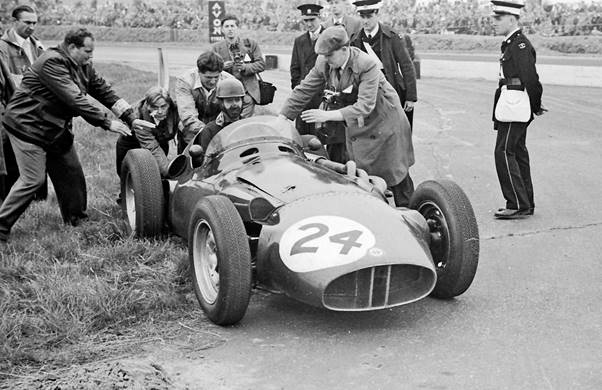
<point>323,242</point>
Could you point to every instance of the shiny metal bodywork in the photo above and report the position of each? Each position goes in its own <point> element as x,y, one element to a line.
<point>327,239</point>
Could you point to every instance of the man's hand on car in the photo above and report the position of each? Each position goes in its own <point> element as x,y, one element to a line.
<point>119,128</point>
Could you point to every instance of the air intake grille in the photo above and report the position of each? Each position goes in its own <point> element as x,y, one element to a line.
<point>379,287</point>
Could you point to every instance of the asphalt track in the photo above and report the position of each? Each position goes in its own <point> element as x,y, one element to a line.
<point>532,318</point>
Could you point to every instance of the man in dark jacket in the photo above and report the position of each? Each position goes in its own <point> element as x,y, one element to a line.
<point>304,58</point>
<point>18,50</point>
<point>38,121</point>
<point>386,46</point>
<point>517,71</point>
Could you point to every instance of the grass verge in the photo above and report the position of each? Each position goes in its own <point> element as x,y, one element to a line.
<point>71,294</point>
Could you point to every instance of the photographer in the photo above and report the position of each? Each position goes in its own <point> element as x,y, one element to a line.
<point>377,131</point>
<point>242,59</point>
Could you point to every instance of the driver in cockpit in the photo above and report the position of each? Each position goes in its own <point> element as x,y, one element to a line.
<point>230,93</point>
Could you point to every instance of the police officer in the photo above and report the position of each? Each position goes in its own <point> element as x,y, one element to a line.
<point>378,136</point>
<point>304,58</point>
<point>517,71</point>
<point>387,47</point>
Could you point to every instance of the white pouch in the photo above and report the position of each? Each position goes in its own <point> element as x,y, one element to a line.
<point>513,106</point>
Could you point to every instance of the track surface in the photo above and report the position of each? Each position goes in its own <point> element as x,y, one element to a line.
<point>532,318</point>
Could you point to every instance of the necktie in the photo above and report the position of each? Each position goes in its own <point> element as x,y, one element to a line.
<point>369,37</point>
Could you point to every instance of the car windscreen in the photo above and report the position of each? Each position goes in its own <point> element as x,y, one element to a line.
<point>254,128</point>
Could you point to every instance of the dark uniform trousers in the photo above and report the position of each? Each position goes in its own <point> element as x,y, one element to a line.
<point>512,165</point>
<point>66,174</point>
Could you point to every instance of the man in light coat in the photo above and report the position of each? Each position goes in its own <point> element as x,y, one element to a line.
<point>243,59</point>
<point>378,135</point>
<point>19,48</point>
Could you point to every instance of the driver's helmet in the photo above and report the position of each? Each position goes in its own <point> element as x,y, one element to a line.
<point>229,88</point>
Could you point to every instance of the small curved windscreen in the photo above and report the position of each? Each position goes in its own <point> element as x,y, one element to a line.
<point>254,129</point>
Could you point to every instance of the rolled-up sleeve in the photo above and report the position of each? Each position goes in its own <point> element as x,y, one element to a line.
<point>189,115</point>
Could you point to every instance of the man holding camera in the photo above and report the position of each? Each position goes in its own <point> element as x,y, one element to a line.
<point>242,59</point>
<point>378,136</point>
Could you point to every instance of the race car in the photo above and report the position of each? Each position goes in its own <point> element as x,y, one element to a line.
<point>262,206</point>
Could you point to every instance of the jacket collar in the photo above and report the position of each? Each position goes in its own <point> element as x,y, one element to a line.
<point>62,49</point>
<point>10,36</point>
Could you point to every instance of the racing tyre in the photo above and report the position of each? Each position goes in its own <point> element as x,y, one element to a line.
<point>454,234</point>
<point>220,260</point>
<point>142,197</point>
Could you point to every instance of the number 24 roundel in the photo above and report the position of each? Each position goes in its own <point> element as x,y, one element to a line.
<point>323,242</point>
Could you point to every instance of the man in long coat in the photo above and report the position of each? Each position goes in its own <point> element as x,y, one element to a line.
<point>304,58</point>
<point>386,45</point>
<point>378,135</point>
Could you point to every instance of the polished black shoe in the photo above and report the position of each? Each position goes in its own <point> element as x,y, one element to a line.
<point>512,214</point>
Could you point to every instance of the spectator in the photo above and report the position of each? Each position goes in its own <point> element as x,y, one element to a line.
<point>242,59</point>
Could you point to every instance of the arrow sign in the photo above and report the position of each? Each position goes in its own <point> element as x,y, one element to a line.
<point>217,10</point>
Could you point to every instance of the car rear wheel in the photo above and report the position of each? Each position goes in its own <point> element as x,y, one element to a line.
<point>142,194</point>
<point>454,235</point>
<point>220,260</point>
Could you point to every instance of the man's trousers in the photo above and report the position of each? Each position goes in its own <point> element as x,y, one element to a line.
<point>512,165</point>
<point>65,172</point>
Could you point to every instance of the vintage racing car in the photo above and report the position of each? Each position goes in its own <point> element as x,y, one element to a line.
<point>258,207</point>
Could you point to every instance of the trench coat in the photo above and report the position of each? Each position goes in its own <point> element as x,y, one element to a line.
<point>397,62</point>
<point>14,56</point>
<point>377,133</point>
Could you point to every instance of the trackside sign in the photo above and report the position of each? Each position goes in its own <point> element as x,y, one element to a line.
<point>217,10</point>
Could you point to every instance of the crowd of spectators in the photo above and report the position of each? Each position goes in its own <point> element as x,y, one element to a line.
<point>422,16</point>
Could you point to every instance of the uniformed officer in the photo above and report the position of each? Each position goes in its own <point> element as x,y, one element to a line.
<point>304,58</point>
<point>517,71</point>
<point>390,50</point>
<point>377,132</point>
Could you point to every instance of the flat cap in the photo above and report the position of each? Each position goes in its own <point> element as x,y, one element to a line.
<point>310,9</point>
<point>367,6</point>
<point>331,39</point>
<point>506,7</point>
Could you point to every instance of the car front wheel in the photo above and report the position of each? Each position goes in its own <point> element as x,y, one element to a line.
<point>454,235</point>
<point>220,260</point>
